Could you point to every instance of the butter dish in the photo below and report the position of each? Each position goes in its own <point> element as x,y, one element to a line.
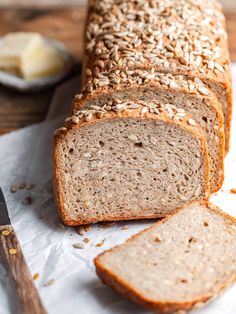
<point>11,80</point>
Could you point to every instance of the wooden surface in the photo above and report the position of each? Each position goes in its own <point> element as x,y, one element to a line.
<point>22,281</point>
<point>44,3</point>
<point>16,109</point>
<point>67,25</point>
<point>228,4</point>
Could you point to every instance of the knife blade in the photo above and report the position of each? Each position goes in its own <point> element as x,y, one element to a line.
<point>11,256</point>
<point>4,216</point>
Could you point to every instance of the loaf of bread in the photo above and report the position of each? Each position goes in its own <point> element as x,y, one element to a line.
<point>142,56</point>
<point>132,160</point>
<point>178,264</point>
<point>185,37</point>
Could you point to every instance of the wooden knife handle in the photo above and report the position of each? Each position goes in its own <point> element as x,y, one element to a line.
<point>10,250</point>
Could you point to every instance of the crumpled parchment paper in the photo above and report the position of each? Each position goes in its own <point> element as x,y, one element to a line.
<point>25,156</point>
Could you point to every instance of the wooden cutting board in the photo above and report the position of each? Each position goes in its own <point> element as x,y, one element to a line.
<point>67,25</point>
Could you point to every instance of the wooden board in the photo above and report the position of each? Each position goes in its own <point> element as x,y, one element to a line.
<point>67,25</point>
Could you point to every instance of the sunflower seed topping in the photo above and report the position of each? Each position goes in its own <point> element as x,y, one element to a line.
<point>118,106</point>
<point>143,34</point>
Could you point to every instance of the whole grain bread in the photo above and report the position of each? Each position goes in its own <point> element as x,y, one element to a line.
<point>189,94</point>
<point>174,52</point>
<point>179,263</point>
<point>131,160</point>
<point>184,37</point>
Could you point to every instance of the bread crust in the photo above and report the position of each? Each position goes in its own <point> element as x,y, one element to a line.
<point>195,130</point>
<point>171,306</point>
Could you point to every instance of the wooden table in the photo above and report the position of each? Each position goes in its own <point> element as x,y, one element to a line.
<point>65,24</point>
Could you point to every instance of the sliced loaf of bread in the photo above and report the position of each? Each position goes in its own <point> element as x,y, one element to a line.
<point>138,160</point>
<point>179,263</point>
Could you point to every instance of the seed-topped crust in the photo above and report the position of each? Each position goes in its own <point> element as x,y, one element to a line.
<point>132,79</point>
<point>131,34</point>
<point>117,78</point>
<point>141,108</point>
<point>184,37</point>
<point>134,109</point>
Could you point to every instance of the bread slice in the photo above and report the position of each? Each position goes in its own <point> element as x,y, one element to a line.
<point>179,263</point>
<point>128,160</point>
<point>189,94</point>
<point>180,37</point>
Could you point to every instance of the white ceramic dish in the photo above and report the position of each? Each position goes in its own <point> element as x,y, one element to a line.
<point>23,85</point>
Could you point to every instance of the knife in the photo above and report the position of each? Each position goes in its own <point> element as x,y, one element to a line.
<point>15,264</point>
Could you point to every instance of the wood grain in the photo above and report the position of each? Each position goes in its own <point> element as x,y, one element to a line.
<point>42,3</point>
<point>62,3</point>
<point>67,25</point>
<point>13,260</point>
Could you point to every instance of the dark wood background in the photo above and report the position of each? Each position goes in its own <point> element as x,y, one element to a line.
<point>64,23</point>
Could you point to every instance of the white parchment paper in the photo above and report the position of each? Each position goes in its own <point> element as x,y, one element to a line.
<point>25,155</point>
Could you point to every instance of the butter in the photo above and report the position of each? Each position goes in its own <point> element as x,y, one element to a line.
<point>27,55</point>
<point>16,48</point>
<point>46,62</point>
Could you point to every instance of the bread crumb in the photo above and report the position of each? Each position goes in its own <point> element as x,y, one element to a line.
<point>233,191</point>
<point>29,186</point>
<point>13,189</point>
<point>86,240</point>
<point>78,245</point>
<point>27,200</point>
<point>206,224</point>
<point>106,224</point>
<point>100,244</point>
<point>49,283</point>
<point>81,230</point>
<point>87,228</point>
<point>125,228</point>
<point>36,276</point>
<point>21,185</point>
